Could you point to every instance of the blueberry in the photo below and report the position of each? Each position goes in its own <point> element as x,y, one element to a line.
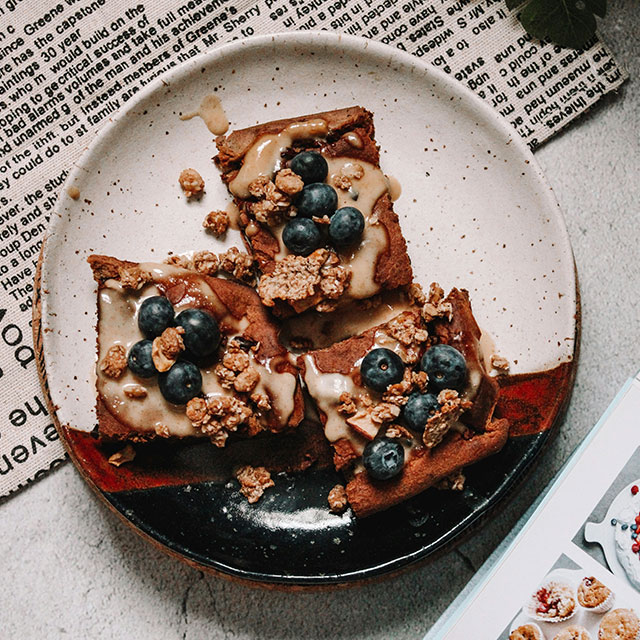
<point>181,383</point>
<point>317,199</point>
<point>383,458</point>
<point>301,236</point>
<point>201,333</point>
<point>346,227</point>
<point>419,408</point>
<point>445,367</point>
<point>614,522</point>
<point>310,166</point>
<point>381,368</point>
<point>139,359</point>
<point>155,315</point>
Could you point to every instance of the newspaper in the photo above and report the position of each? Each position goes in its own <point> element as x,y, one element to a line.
<point>578,541</point>
<point>67,66</point>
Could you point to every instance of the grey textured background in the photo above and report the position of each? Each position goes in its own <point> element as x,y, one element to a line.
<point>71,569</point>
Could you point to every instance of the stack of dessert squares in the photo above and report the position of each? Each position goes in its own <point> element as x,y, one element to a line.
<point>394,371</point>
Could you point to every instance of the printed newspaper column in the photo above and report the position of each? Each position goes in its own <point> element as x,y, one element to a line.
<point>66,67</point>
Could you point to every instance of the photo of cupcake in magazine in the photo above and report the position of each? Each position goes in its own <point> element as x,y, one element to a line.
<point>572,604</point>
<point>611,534</point>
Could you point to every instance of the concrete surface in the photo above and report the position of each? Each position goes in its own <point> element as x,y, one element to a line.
<point>73,570</point>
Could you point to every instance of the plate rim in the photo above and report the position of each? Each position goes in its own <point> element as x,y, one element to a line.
<point>360,46</point>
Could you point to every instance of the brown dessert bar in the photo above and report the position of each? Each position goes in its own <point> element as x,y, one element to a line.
<point>460,431</point>
<point>256,167</point>
<point>249,383</point>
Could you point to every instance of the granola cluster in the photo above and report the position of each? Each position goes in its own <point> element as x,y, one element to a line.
<point>239,265</point>
<point>191,183</point>
<point>167,347</point>
<point>217,222</point>
<point>127,454</point>
<point>433,305</point>
<point>451,408</point>
<point>337,499</point>
<point>454,482</point>
<point>235,370</point>
<point>410,334</point>
<point>344,178</point>
<point>273,198</point>
<point>317,277</point>
<point>253,482</point>
<point>499,363</point>
<point>206,262</point>
<point>114,362</point>
<point>232,261</point>
<point>133,277</point>
<point>218,416</point>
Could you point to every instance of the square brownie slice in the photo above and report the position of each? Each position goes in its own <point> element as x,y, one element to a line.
<point>408,403</point>
<point>332,265</point>
<point>181,354</point>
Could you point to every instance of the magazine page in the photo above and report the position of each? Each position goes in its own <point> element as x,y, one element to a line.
<point>573,569</point>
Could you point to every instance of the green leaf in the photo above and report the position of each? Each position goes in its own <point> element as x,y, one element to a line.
<point>569,23</point>
<point>512,4</point>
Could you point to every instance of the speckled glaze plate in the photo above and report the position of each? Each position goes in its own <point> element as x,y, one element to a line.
<point>477,214</point>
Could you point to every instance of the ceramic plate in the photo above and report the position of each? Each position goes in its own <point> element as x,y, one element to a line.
<point>477,213</point>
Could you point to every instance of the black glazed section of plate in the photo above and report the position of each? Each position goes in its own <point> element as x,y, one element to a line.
<point>290,537</point>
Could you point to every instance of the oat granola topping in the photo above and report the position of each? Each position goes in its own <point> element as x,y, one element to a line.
<point>235,371</point>
<point>253,482</point>
<point>262,401</point>
<point>274,200</point>
<point>397,431</point>
<point>347,406</point>
<point>384,412</point>
<point>162,430</point>
<point>289,182</point>
<point>179,261</point>
<point>257,187</point>
<point>298,278</point>
<point>246,380</point>
<point>416,294</point>
<point>166,348</point>
<point>435,306</point>
<point>398,393</point>
<point>135,391</point>
<point>114,362</point>
<point>191,182</point>
<point>405,331</point>
<point>342,182</point>
<point>453,482</point>
<point>123,456</point>
<point>451,408</point>
<point>133,277</point>
<point>239,265</point>
<point>206,263</point>
<point>218,416</point>
<point>217,222</point>
<point>337,499</point>
<point>499,363</point>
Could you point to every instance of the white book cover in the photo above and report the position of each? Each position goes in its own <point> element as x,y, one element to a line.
<point>571,568</point>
